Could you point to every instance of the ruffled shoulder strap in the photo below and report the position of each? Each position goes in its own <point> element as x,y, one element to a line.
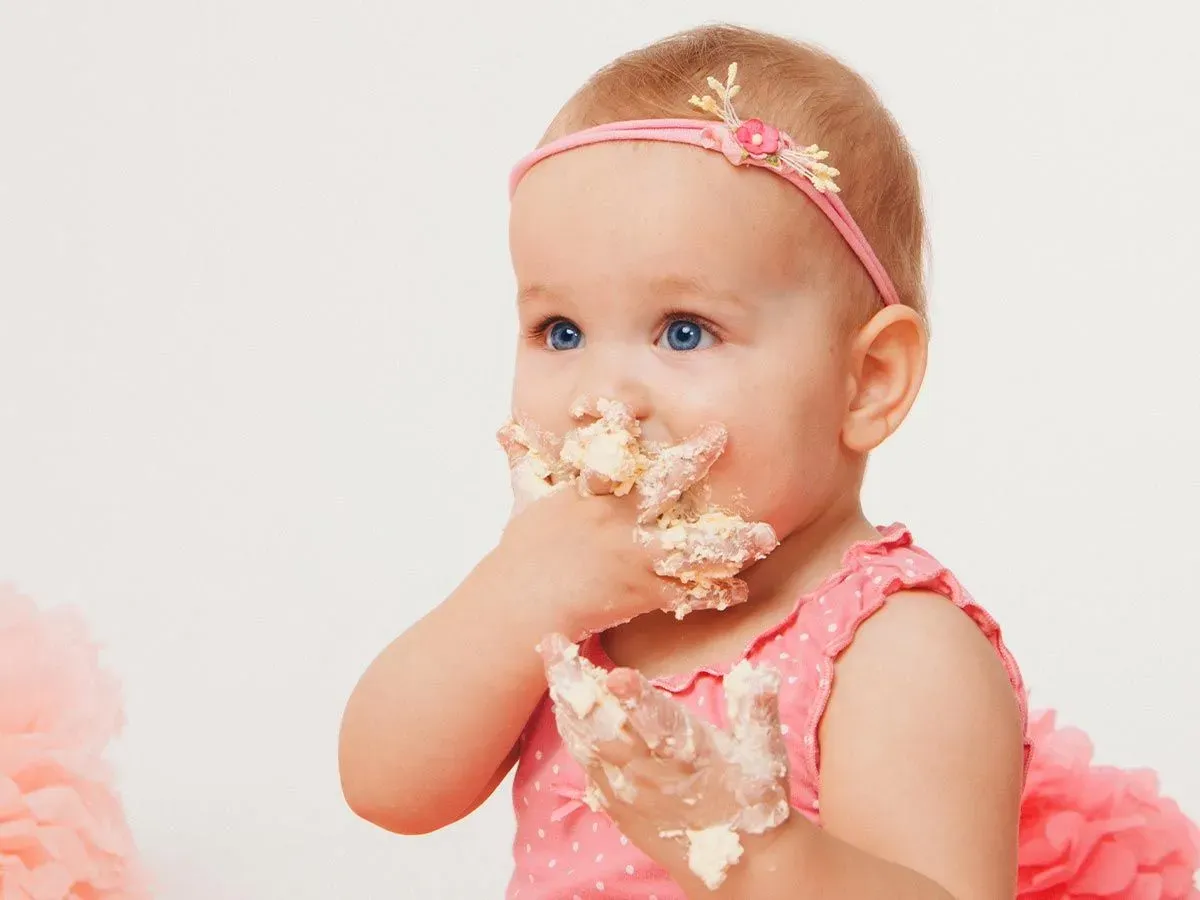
<point>872,573</point>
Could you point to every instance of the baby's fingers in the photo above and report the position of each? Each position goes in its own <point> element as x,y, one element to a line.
<point>533,464</point>
<point>716,547</point>
<point>595,484</point>
<point>752,701</point>
<point>513,440</point>
<point>678,468</point>
<point>752,705</point>
<point>585,711</point>
<point>705,557</point>
<point>665,725</point>
<point>521,437</point>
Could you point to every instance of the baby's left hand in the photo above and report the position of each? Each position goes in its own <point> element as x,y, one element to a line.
<point>677,787</point>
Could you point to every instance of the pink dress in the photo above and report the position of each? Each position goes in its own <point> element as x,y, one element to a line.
<point>564,850</point>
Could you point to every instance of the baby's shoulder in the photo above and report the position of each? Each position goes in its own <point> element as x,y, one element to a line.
<point>892,616</point>
<point>920,651</point>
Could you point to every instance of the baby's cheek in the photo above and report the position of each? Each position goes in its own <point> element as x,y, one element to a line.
<point>541,407</point>
<point>773,474</point>
<point>752,475</point>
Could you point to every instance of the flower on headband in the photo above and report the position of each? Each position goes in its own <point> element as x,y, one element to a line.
<point>755,139</point>
<point>758,138</point>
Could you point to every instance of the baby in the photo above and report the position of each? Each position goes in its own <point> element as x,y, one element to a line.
<point>744,688</point>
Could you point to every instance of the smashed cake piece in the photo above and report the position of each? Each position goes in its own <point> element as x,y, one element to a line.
<point>608,454</point>
<point>711,851</point>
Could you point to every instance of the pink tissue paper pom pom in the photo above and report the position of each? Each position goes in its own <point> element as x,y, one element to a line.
<point>62,828</point>
<point>1099,832</point>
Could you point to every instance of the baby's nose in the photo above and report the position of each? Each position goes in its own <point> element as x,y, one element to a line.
<point>613,373</point>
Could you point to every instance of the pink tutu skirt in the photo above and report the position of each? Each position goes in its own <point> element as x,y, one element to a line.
<point>1092,832</point>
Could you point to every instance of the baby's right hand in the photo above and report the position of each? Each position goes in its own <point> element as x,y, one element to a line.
<point>592,557</point>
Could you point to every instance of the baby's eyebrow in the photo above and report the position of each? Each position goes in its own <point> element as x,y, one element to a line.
<point>534,292</point>
<point>675,286</point>
<point>684,286</point>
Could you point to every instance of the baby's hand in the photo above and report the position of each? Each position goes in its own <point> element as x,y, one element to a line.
<point>673,470</point>
<point>534,466</point>
<point>702,553</point>
<point>588,555</point>
<point>676,786</point>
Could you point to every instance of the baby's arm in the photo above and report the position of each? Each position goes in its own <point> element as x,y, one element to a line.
<point>921,751</point>
<point>431,728</point>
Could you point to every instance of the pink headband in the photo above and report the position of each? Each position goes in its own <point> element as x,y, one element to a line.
<point>749,142</point>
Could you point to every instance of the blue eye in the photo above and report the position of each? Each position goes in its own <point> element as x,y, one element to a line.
<point>564,335</point>
<point>683,335</point>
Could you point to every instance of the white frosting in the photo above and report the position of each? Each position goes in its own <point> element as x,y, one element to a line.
<point>711,851</point>
<point>609,447</point>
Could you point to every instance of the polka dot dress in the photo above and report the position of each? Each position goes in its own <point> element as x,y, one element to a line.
<point>563,849</point>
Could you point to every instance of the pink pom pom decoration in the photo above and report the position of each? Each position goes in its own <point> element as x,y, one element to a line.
<point>62,829</point>
<point>1098,832</point>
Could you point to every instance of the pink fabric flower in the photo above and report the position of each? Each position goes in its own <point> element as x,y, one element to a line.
<point>758,138</point>
<point>62,830</point>
<point>1096,832</point>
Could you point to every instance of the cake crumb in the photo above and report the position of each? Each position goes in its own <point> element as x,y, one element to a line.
<point>711,851</point>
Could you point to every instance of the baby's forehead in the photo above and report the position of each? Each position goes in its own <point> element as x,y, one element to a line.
<point>662,212</point>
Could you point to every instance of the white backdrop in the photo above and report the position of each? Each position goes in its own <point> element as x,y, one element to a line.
<point>255,310</point>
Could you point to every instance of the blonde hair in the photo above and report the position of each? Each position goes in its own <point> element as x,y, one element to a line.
<point>800,89</point>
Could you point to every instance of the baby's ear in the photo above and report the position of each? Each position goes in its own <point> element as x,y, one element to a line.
<point>887,358</point>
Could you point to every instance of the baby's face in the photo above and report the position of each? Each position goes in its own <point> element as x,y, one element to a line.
<point>695,292</point>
